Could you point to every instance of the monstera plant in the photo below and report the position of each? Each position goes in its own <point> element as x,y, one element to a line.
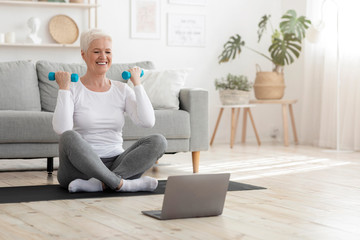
<point>285,45</point>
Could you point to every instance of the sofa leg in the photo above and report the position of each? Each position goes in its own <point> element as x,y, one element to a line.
<point>50,165</point>
<point>196,161</point>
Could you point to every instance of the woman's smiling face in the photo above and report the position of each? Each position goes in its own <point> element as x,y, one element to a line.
<point>98,57</point>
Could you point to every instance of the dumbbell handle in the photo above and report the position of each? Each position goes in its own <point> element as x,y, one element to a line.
<point>127,75</point>
<point>74,77</point>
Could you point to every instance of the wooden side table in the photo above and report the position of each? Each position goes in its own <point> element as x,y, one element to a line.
<point>234,122</point>
<point>284,104</point>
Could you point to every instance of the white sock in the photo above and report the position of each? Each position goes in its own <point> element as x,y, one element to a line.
<point>141,184</point>
<point>80,185</point>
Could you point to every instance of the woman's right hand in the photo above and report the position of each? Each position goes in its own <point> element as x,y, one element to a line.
<point>63,79</point>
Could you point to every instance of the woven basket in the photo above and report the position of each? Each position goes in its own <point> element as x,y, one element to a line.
<point>234,97</point>
<point>63,29</point>
<point>269,85</point>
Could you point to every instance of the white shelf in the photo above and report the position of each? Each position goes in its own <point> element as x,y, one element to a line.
<point>57,45</point>
<point>87,6</point>
<point>49,4</point>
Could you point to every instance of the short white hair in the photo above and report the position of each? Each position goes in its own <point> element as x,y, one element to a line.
<point>90,35</point>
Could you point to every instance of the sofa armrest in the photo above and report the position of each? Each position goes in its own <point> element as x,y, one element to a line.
<point>195,101</point>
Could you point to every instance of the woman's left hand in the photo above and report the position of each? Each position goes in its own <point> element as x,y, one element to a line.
<point>135,75</point>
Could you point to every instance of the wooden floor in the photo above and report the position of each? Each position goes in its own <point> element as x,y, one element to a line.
<point>311,194</point>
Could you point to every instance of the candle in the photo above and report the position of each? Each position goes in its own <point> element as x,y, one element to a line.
<point>10,37</point>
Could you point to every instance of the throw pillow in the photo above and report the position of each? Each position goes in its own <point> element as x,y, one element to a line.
<point>163,87</point>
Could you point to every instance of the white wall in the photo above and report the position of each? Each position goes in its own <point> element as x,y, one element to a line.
<point>295,73</point>
<point>223,19</point>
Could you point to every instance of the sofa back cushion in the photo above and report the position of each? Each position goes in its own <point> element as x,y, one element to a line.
<point>49,89</point>
<point>19,86</point>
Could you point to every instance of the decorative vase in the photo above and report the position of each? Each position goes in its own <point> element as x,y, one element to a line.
<point>234,97</point>
<point>269,85</point>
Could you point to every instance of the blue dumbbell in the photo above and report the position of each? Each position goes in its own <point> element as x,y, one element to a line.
<point>74,77</point>
<point>127,75</point>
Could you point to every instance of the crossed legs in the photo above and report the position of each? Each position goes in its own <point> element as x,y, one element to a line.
<point>79,163</point>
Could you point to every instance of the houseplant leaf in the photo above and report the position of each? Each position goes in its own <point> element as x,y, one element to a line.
<point>262,26</point>
<point>231,48</point>
<point>284,50</point>
<point>293,24</point>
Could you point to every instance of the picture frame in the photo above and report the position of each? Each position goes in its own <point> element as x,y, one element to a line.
<point>186,30</point>
<point>145,19</point>
<point>189,2</point>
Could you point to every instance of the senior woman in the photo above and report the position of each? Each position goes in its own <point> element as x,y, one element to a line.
<point>89,115</point>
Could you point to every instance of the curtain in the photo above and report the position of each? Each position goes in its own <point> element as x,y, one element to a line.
<point>319,112</point>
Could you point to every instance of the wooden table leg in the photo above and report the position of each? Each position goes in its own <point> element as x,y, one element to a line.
<point>293,123</point>
<point>216,127</point>
<point>196,161</point>
<point>236,122</point>
<point>243,136</point>
<point>253,124</point>
<point>232,135</point>
<point>285,125</point>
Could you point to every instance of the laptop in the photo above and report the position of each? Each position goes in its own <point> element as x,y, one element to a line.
<point>189,196</point>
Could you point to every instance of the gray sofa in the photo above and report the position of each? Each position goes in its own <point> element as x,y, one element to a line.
<point>28,98</point>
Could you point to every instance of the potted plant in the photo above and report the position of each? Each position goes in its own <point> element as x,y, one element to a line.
<point>284,49</point>
<point>234,89</point>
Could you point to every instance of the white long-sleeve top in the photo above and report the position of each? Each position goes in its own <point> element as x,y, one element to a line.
<point>99,116</point>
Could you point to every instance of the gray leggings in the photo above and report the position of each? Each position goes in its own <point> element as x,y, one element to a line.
<point>78,160</point>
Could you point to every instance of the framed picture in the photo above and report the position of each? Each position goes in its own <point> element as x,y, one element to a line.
<point>186,30</point>
<point>189,2</point>
<point>145,19</point>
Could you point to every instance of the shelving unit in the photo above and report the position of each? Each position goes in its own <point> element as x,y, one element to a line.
<point>89,6</point>
<point>38,45</point>
<point>49,4</point>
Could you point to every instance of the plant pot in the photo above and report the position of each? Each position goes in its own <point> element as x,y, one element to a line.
<point>269,85</point>
<point>234,97</point>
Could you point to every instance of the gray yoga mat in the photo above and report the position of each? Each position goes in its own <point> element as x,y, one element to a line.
<point>55,192</point>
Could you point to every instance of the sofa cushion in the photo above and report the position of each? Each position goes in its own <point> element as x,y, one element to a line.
<point>49,89</point>
<point>19,86</point>
<point>28,150</point>
<point>173,124</point>
<point>26,127</point>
